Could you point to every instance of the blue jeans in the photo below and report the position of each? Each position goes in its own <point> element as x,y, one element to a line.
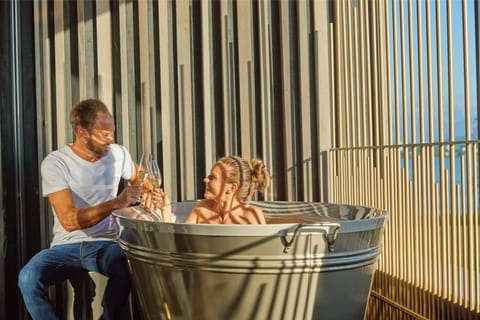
<point>56,264</point>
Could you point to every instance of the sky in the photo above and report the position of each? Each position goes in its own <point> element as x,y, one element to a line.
<point>458,63</point>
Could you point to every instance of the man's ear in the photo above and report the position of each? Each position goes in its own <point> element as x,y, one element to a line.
<point>82,133</point>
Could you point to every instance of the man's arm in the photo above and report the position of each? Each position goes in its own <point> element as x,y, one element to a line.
<point>73,218</point>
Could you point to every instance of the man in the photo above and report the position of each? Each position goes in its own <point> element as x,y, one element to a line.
<point>81,181</point>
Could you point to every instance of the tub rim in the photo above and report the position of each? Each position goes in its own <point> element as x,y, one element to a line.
<point>125,218</point>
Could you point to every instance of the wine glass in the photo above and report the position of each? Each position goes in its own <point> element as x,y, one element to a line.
<point>143,168</point>
<point>155,176</point>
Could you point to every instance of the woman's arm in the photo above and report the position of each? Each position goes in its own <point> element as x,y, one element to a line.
<point>192,217</point>
<point>259,217</point>
<point>158,199</point>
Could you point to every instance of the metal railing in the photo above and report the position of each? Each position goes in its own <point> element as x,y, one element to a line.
<point>405,143</point>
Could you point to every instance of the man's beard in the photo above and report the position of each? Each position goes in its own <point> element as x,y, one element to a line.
<point>96,149</point>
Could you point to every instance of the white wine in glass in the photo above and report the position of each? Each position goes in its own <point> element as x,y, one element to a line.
<point>155,176</point>
<point>142,175</point>
<point>143,167</point>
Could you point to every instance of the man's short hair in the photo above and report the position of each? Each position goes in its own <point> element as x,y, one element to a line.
<point>84,113</point>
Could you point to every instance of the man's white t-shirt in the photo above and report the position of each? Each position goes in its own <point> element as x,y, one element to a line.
<point>90,183</point>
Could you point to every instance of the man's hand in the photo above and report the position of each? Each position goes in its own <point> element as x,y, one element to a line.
<point>129,196</point>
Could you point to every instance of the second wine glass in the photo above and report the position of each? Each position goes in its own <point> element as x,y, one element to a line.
<point>155,178</point>
<point>143,170</point>
<point>155,175</point>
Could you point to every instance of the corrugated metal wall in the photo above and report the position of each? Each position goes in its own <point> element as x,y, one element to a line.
<point>346,101</point>
<point>195,80</point>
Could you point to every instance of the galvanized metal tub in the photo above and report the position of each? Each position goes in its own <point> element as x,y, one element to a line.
<point>310,261</point>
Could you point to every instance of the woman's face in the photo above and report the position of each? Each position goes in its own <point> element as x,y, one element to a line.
<point>215,186</point>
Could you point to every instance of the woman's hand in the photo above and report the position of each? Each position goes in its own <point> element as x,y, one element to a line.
<point>149,198</point>
<point>157,199</point>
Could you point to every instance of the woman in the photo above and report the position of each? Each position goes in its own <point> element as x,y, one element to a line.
<point>232,181</point>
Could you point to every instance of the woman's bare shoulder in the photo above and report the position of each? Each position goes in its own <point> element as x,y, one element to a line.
<point>202,212</point>
<point>255,213</point>
<point>205,203</point>
<point>251,207</point>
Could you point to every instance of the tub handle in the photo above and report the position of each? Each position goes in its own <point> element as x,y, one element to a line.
<point>325,227</point>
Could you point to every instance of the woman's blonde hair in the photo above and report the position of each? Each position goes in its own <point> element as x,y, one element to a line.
<point>249,176</point>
